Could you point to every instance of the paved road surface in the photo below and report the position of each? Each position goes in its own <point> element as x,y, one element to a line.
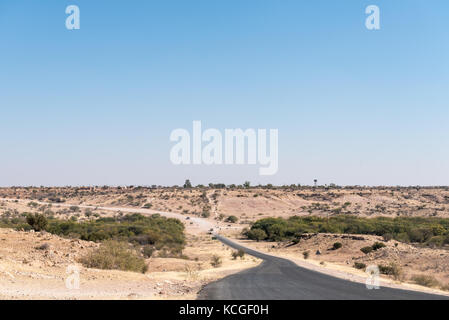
<point>281,279</point>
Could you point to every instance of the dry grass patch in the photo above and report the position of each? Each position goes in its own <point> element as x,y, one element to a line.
<point>426,281</point>
<point>115,255</point>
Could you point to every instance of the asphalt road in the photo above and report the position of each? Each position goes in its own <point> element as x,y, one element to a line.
<point>280,279</point>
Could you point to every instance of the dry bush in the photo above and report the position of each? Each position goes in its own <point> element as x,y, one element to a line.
<point>192,273</point>
<point>426,280</point>
<point>115,255</point>
<point>44,246</point>
<point>216,261</point>
<point>393,270</point>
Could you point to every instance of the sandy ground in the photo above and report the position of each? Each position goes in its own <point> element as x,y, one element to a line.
<point>255,203</point>
<point>204,209</point>
<point>27,272</point>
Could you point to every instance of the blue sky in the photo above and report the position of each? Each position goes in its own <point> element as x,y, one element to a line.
<point>96,106</point>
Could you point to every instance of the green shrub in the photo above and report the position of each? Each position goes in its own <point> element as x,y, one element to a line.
<point>306,254</point>
<point>155,230</point>
<point>37,221</point>
<point>256,234</point>
<point>359,265</point>
<point>337,245</point>
<point>205,213</point>
<point>366,250</point>
<point>232,219</point>
<point>378,245</point>
<point>392,270</point>
<point>420,235</point>
<point>114,255</point>
<point>404,229</point>
<point>148,251</point>
<point>374,247</point>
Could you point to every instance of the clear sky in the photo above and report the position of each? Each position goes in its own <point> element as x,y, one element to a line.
<point>97,105</point>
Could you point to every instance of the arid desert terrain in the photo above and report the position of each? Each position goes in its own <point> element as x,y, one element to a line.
<point>35,260</point>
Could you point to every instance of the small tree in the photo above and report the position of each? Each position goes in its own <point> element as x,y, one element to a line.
<point>247,184</point>
<point>187,184</point>
<point>37,221</point>
<point>337,245</point>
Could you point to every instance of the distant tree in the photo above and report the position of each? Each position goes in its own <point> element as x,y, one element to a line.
<point>187,184</point>
<point>247,184</point>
